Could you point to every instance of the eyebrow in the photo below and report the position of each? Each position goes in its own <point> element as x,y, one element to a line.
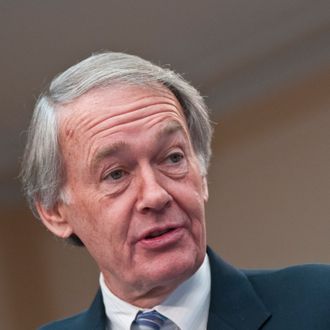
<point>171,127</point>
<point>109,151</point>
<point>168,129</point>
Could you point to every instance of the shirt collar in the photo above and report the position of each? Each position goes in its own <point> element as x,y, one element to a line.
<point>187,305</point>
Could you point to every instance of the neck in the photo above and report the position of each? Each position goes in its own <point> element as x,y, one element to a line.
<point>142,297</point>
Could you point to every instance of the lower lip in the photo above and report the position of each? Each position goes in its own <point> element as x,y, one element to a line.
<point>166,240</point>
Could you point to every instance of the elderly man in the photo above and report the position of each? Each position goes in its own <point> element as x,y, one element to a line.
<point>116,160</point>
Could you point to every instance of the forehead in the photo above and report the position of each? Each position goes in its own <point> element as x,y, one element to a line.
<point>117,105</point>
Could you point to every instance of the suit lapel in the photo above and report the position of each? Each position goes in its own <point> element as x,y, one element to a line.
<point>234,303</point>
<point>95,317</point>
<point>216,323</point>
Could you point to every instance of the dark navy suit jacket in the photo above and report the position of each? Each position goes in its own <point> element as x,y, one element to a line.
<point>295,298</point>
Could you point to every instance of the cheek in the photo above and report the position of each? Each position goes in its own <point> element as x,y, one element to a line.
<point>82,211</point>
<point>190,199</point>
<point>192,193</point>
<point>112,219</point>
<point>83,223</point>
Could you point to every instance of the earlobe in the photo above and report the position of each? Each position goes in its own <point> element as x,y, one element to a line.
<point>205,189</point>
<point>54,220</point>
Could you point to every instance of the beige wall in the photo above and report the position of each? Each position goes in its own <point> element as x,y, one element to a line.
<point>40,278</point>
<point>270,179</point>
<point>269,188</point>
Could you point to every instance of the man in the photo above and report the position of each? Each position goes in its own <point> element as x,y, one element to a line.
<point>116,160</point>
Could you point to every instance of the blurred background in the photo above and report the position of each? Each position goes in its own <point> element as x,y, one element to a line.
<point>264,68</point>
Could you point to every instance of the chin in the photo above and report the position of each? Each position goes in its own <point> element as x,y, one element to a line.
<point>178,267</point>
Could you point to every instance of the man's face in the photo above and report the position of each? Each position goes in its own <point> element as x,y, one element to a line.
<point>136,194</point>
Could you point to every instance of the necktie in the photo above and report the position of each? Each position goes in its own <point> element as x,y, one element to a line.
<point>149,320</point>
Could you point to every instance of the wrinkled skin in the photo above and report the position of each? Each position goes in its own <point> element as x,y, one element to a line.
<point>135,190</point>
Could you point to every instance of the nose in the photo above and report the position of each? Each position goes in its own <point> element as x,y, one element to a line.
<point>152,196</point>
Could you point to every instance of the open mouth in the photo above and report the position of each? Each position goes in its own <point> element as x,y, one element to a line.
<point>159,233</point>
<point>161,238</point>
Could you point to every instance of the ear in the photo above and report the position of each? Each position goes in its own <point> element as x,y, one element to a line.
<point>54,219</point>
<point>205,189</point>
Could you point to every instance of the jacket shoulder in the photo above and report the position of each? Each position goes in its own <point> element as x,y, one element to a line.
<point>92,318</point>
<point>72,322</point>
<point>303,285</point>
<point>312,275</point>
<point>295,297</point>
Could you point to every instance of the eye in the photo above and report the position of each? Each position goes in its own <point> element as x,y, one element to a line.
<point>175,164</point>
<point>115,175</point>
<point>175,157</point>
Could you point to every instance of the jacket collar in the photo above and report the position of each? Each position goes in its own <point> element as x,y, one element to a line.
<point>95,315</point>
<point>234,303</point>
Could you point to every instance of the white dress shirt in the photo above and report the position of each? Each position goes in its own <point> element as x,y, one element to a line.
<point>187,306</point>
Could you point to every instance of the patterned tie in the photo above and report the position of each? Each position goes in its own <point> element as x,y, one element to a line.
<point>149,320</point>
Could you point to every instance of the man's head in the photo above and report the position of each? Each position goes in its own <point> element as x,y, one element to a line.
<point>117,155</point>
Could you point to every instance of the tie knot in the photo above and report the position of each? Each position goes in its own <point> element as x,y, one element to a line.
<point>149,320</point>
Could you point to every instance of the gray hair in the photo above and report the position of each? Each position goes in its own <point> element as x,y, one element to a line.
<point>43,173</point>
